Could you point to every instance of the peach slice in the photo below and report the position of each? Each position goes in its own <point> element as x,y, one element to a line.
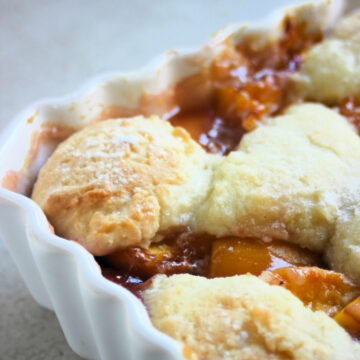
<point>236,256</point>
<point>349,316</point>
<point>196,123</point>
<point>317,288</point>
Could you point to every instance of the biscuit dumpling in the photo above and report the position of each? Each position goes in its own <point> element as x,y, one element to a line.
<point>242,317</point>
<point>331,69</point>
<point>122,182</point>
<point>289,179</point>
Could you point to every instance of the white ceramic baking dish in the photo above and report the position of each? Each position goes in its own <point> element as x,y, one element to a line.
<point>101,320</point>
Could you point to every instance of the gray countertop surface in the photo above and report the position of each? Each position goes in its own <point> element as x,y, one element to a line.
<point>49,48</point>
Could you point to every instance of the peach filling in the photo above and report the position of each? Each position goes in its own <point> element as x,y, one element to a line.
<point>235,256</point>
<point>245,85</point>
<point>277,262</point>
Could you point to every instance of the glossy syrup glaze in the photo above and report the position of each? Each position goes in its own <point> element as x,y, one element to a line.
<point>133,283</point>
<point>134,267</point>
<point>210,130</point>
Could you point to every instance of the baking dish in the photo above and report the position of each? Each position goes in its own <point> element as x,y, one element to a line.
<point>100,320</point>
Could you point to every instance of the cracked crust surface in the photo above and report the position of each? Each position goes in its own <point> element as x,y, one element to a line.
<point>242,317</point>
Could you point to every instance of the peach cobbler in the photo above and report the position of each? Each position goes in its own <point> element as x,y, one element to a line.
<point>235,215</point>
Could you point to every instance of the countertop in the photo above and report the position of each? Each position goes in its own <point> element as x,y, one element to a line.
<point>49,48</point>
